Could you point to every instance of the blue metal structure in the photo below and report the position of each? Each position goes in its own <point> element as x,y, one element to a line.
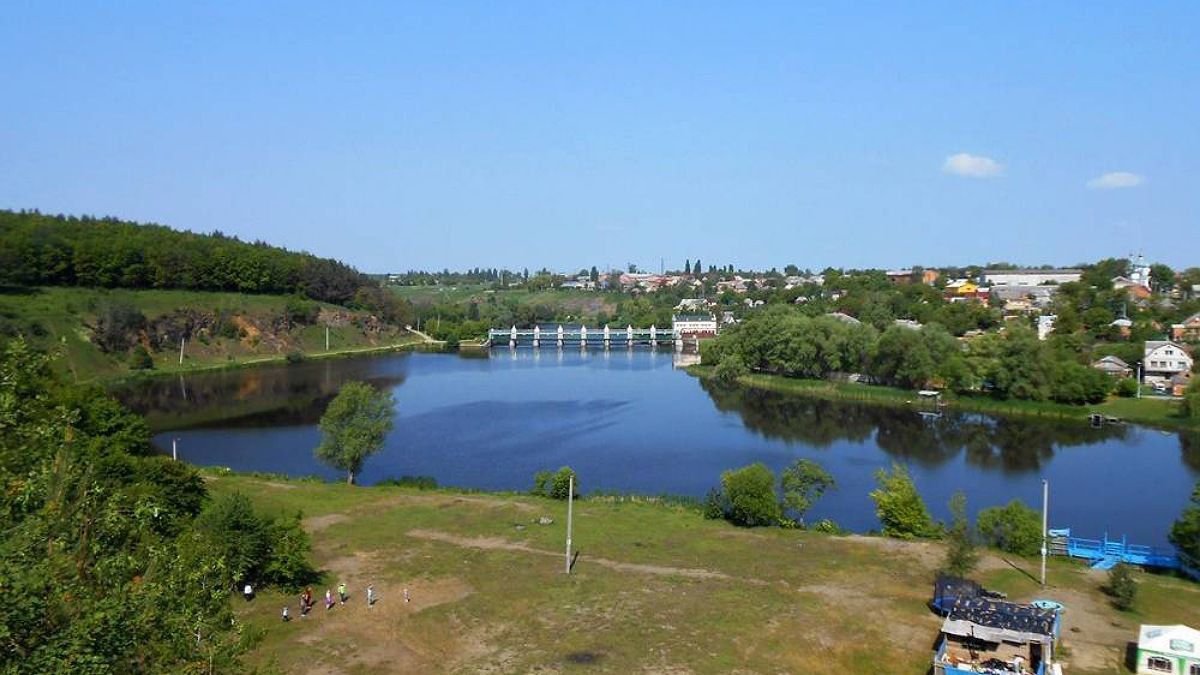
<point>1107,553</point>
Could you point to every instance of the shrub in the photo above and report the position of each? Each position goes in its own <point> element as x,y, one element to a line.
<point>962,554</point>
<point>730,368</point>
<point>899,506</point>
<point>1012,528</point>
<point>139,359</point>
<point>555,485</point>
<point>256,549</point>
<point>715,505</point>
<point>750,492</point>
<point>1127,387</point>
<point>293,357</point>
<point>1121,587</point>
<point>827,526</point>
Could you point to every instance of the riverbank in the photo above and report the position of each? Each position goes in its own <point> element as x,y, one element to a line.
<point>655,588</point>
<point>1158,413</point>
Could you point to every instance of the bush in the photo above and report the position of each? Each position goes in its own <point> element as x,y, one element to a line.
<point>1121,587</point>
<point>139,359</point>
<point>1012,528</point>
<point>750,492</point>
<point>293,357</point>
<point>555,485</point>
<point>827,526</point>
<point>962,555</point>
<point>1127,387</point>
<point>715,505</point>
<point>730,369</point>
<point>899,506</point>
<point>255,549</point>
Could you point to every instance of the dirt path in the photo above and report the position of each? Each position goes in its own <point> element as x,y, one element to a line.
<point>499,544</point>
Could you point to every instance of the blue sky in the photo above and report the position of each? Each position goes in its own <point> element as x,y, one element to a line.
<point>567,134</point>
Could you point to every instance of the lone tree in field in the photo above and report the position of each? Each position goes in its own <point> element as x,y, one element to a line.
<point>354,427</point>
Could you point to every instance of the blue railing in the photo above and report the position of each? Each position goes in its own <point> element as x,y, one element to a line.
<point>1116,551</point>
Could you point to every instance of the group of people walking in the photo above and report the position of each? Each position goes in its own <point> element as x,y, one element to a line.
<point>306,599</point>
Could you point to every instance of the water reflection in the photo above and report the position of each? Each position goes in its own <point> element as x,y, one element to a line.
<point>267,396</point>
<point>1009,444</point>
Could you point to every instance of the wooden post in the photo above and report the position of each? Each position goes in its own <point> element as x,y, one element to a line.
<point>182,340</point>
<point>1045,525</point>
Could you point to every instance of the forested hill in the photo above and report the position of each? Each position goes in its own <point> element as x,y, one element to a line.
<point>45,250</point>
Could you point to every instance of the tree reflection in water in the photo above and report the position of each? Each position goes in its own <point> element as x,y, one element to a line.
<point>1008,444</point>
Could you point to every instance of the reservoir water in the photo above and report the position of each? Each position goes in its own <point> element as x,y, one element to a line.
<point>629,421</point>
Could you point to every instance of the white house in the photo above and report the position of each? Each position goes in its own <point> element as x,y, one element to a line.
<point>1168,650</point>
<point>694,324</point>
<point>1164,359</point>
<point>1029,277</point>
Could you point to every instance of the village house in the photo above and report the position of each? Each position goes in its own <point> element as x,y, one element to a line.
<point>692,305</point>
<point>694,325</point>
<point>902,277</point>
<point>1028,277</point>
<point>1168,650</point>
<point>1135,289</point>
<point>844,318</point>
<point>1023,299</point>
<point>1113,366</point>
<point>1164,359</point>
<point>965,290</point>
<point>1187,330</point>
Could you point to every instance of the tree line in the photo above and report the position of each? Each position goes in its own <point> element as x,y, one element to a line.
<point>1008,364</point>
<point>55,250</point>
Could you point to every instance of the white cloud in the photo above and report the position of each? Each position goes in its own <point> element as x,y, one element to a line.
<point>972,166</point>
<point>1116,180</point>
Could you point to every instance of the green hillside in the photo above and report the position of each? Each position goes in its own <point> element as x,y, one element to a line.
<point>97,333</point>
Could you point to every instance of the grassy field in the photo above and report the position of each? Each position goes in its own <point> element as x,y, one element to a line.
<point>58,320</point>
<point>1149,411</point>
<point>655,588</point>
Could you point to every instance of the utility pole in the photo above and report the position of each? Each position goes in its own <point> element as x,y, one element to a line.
<point>326,337</point>
<point>1045,525</point>
<point>1139,379</point>
<point>175,449</point>
<point>182,340</point>
<point>570,507</point>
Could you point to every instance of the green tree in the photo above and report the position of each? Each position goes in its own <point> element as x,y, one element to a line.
<point>1121,587</point>
<point>1191,399</point>
<point>1185,533</point>
<point>962,552</point>
<point>899,506</point>
<point>1013,528</point>
<point>730,368</point>
<point>750,493</point>
<point>354,427</point>
<point>803,483</point>
<point>1162,277</point>
<point>139,359</point>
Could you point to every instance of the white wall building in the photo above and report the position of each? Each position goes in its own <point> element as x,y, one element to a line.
<point>1045,325</point>
<point>1164,359</point>
<point>694,324</point>
<point>1029,277</point>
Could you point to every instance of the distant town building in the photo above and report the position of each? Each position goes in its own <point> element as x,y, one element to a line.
<point>1029,277</point>
<point>1187,330</point>
<point>844,318</point>
<point>1164,359</point>
<point>1016,298</point>
<point>694,325</point>
<point>1113,366</point>
<point>692,305</point>
<point>965,290</point>
<point>901,277</point>
<point>908,323</point>
<point>1045,325</point>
